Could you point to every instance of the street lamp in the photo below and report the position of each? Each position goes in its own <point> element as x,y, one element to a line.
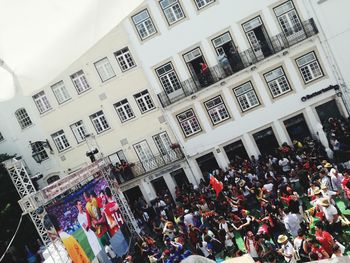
<point>38,152</point>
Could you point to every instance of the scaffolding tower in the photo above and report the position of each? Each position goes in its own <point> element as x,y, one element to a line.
<point>25,188</point>
<point>33,202</point>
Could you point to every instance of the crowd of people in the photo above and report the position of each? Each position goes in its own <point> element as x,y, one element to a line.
<point>284,207</point>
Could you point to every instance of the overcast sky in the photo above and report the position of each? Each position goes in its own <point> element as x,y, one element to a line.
<point>40,38</point>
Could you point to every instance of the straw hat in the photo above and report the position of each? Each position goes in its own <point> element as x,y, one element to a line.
<point>324,162</point>
<point>327,165</point>
<point>282,238</point>
<point>317,191</point>
<point>324,186</point>
<point>241,183</point>
<point>324,202</point>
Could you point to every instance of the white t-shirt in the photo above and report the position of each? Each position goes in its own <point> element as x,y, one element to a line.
<point>289,250</point>
<point>110,252</point>
<point>330,212</point>
<point>268,187</point>
<point>197,259</point>
<point>297,243</point>
<point>204,248</point>
<point>224,226</point>
<point>292,223</point>
<point>284,163</point>
<point>228,239</point>
<point>252,250</point>
<point>160,203</point>
<point>188,219</point>
<point>326,181</point>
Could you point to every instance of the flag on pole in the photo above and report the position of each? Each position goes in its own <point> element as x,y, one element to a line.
<point>216,184</point>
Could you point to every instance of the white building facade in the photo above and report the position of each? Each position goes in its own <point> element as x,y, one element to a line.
<point>21,132</point>
<point>335,37</point>
<point>219,78</point>
<point>275,84</point>
<point>103,101</point>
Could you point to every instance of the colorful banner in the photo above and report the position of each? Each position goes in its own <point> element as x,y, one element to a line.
<point>90,224</point>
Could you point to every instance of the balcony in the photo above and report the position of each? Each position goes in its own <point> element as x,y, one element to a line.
<point>241,60</point>
<point>138,169</point>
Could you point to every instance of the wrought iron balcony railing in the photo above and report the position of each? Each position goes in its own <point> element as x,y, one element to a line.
<point>157,161</point>
<point>240,61</point>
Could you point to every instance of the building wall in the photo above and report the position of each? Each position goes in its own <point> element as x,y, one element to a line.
<point>16,140</point>
<point>332,19</point>
<point>102,96</point>
<point>197,30</point>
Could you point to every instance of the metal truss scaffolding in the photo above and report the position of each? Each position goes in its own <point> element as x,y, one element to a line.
<point>21,180</point>
<point>33,202</point>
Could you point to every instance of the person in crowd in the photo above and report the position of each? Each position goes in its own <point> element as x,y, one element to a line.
<point>287,250</point>
<point>224,63</point>
<point>336,252</point>
<point>276,200</point>
<point>302,246</point>
<point>318,250</point>
<point>251,245</point>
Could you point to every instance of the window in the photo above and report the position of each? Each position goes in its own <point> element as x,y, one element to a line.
<point>144,101</point>
<point>41,101</point>
<point>202,3</point>
<point>288,19</point>
<point>277,82</point>
<point>79,131</point>
<point>145,155</point>
<point>168,78</point>
<point>1,137</point>
<point>217,110</point>
<point>163,143</point>
<point>189,123</point>
<point>117,157</point>
<point>125,59</point>
<point>80,82</point>
<point>172,10</point>
<point>60,140</point>
<point>246,96</point>
<point>60,92</point>
<point>38,148</point>
<point>23,118</point>
<point>99,121</point>
<point>144,24</point>
<point>124,110</point>
<point>52,179</point>
<point>104,69</point>
<point>309,67</point>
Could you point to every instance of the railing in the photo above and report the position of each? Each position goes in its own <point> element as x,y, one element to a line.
<point>241,60</point>
<point>154,163</point>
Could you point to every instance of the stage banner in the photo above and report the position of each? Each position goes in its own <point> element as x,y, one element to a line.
<point>90,224</point>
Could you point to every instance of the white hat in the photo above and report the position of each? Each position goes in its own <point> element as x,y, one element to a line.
<point>282,238</point>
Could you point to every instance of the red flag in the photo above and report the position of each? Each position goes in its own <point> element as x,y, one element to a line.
<point>216,184</point>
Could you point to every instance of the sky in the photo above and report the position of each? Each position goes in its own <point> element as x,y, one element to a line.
<point>40,38</point>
